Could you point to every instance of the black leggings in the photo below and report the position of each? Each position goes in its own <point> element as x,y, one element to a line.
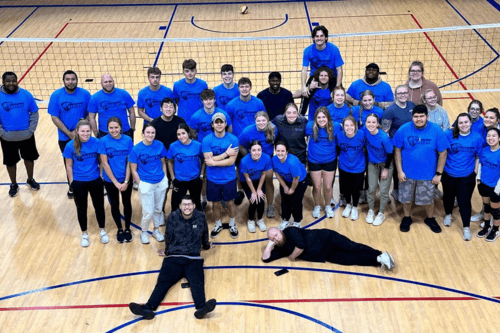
<point>291,205</point>
<point>344,251</point>
<point>461,188</point>
<point>62,145</point>
<point>254,207</point>
<point>81,189</point>
<point>180,189</point>
<point>350,185</point>
<point>114,202</point>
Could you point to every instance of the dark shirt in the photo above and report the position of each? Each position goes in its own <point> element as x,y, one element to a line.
<point>293,134</point>
<point>166,131</point>
<point>397,116</point>
<point>185,237</point>
<point>275,103</point>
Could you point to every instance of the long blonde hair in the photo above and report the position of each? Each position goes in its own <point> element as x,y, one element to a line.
<point>269,128</point>
<point>329,124</point>
<point>77,143</point>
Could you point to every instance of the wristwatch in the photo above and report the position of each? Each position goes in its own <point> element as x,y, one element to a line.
<point>126,182</point>
<point>438,173</point>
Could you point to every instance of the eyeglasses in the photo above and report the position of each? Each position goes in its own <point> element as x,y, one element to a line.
<point>414,71</point>
<point>475,109</point>
<point>187,204</point>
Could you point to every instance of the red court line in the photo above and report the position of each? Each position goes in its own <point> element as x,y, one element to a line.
<point>40,56</point>
<point>456,97</point>
<point>442,57</point>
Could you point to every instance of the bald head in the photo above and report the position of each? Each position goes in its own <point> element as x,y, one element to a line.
<point>107,83</point>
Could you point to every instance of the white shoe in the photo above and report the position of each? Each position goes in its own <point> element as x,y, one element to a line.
<point>284,225</point>
<point>379,219</point>
<point>466,234</point>
<point>387,261</point>
<point>369,216</point>
<point>477,217</point>
<point>447,220</point>
<point>104,237</point>
<point>144,237</point>
<point>157,234</point>
<point>85,240</point>
<point>262,226</point>
<point>354,213</point>
<point>251,226</point>
<point>316,212</point>
<point>347,211</point>
<point>329,212</point>
<point>295,224</point>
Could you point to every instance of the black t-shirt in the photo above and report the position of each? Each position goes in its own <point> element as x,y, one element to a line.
<point>275,103</point>
<point>293,134</point>
<point>166,131</point>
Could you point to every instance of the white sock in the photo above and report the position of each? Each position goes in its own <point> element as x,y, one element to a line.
<point>218,222</point>
<point>231,222</point>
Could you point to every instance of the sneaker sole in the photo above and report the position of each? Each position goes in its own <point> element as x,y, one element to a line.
<point>209,307</point>
<point>15,195</point>
<point>138,311</point>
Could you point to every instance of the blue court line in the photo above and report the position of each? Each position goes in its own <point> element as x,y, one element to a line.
<point>240,32</point>
<point>20,24</point>
<point>308,18</point>
<point>308,269</point>
<point>494,4</point>
<point>41,183</point>
<point>255,305</point>
<point>164,36</point>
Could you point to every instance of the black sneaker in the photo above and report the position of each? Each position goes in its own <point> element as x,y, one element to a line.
<point>431,222</point>
<point>33,185</point>
<point>141,310</point>
<point>209,307</point>
<point>127,235</point>
<point>405,224</point>
<point>120,236</point>
<point>239,198</point>
<point>71,195</point>
<point>485,231</point>
<point>233,231</point>
<point>216,231</point>
<point>14,190</point>
<point>493,234</point>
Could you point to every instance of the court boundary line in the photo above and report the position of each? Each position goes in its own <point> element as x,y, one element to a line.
<point>494,4</point>
<point>164,36</point>
<point>20,24</point>
<point>238,32</point>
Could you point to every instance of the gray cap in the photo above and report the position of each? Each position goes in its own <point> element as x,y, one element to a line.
<point>219,115</point>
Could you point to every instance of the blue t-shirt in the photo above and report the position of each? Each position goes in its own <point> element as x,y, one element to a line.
<point>15,110</point>
<point>364,114</point>
<point>352,155</point>
<point>382,90</point>
<point>243,113</point>
<point>419,149</point>
<point>323,150</point>
<point>201,122</point>
<point>378,146</point>
<point>291,168</point>
<point>397,116</point>
<point>148,160</point>
<point>461,158</point>
<point>150,100</point>
<point>114,104</point>
<point>188,95</point>
<point>337,114</point>
<point>329,57</point>
<point>187,160</point>
<point>218,146</point>
<point>69,108</point>
<point>476,126</point>
<point>254,168</point>
<point>251,133</point>
<point>85,165</point>
<point>117,151</point>
<point>321,97</point>
<point>490,166</point>
<point>223,95</point>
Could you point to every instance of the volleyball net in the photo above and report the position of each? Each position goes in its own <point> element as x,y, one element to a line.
<point>458,59</point>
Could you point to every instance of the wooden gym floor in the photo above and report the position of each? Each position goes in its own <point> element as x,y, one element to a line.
<point>50,284</point>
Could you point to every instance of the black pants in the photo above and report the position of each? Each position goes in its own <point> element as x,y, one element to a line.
<point>114,202</point>
<point>62,145</point>
<point>180,189</point>
<point>344,251</point>
<point>291,205</point>
<point>332,83</point>
<point>254,207</point>
<point>172,270</point>
<point>461,188</point>
<point>350,184</point>
<point>81,190</point>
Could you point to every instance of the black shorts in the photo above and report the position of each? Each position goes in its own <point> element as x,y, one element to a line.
<point>13,151</point>
<point>488,192</point>
<point>328,167</point>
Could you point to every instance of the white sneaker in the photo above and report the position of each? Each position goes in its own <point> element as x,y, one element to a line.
<point>284,224</point>
<point>295,224</point>
<point>329,211</point>
<point>347,211</point>
<point>316,212</point>
<point>379,219</point>
<point>157,234</point>
<point>387,261</point>
<point>144,237</point>
<point>447,220</point>
<point>354,213</point>
<point>477,217</point>
<point>104,237</point>
<point>262,226</point>
<point>251,226</point>
<point>466,234</point>
<point>369,216</point>
<point>85,240</point>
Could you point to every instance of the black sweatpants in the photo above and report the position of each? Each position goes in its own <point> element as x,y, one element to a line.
<point>350,184</point>
<point>180,189</point>
<point>172,270</point>
<point>254,207</point>
<point>62,145</point>
<point>291,205</point>
<point>461,188</point>
<point>344,251</point>
<point>81,189</point>
<point>114,202</point>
